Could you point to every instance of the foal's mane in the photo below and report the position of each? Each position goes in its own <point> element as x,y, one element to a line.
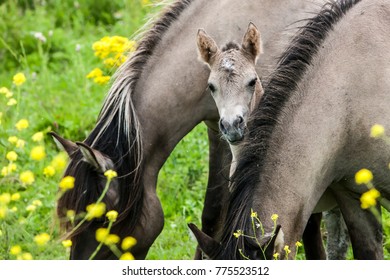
<point>118,135</point>
<point>278,88</point>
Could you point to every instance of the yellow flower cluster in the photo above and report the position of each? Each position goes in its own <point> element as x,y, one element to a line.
<point>5,199</point>
<point>67,183</point>
<point>113,51</point>
<point>95,210</point>
<point>368,199</point>
<point>16,251</point>
<point>42,239</point>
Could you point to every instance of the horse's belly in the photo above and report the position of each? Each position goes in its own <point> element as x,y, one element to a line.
<point>326,202</point>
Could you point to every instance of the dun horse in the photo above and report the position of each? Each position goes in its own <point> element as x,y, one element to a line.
<point>310,135</point>
<point>157,97</point>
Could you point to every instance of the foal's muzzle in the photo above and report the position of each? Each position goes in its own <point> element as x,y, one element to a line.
<point>233,131</point>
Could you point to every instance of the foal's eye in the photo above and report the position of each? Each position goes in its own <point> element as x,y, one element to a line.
<point>252,83</point>
<point>211,87</point>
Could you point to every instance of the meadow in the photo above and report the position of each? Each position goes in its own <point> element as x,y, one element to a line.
<point>54,77</point>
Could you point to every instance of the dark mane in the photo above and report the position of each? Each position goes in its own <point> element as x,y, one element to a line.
<point>278,89</point>
<point>118,136</point>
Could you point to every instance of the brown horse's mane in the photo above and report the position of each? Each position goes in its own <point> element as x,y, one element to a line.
<point>118,135</point>
<point>278,88</point>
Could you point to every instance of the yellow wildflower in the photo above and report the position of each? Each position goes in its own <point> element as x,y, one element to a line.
<point>12,156</point>
<point>287,249</point>
<point>31,208</point>
<point>128,242</point>
<point>363,176</point>
<point>298,244</point>
<point>127,256</point>
<point>3,211</point>
<point>274,217</point>
<point>15,250</point>
<point>12,102</point>
<point>4,90</point>
<point>59,161</point>
<point>145,2</point>
<point>377,131</point>
<point>38,153</point>
<point>20,143</point>
<point>111,239</point>
<point>49,171</point>
<point>5,198</point>
<point>253,214</point>
<point>4,171</point>
<point>101,234</point>
<point>19,79</point>
<point>102,80</point>
<point>70,214</point>
<point>27,177</point>
<point>37,137</point>
<point>15,196</point>
<point>27,256</point>
<point>237,234</point>
<point>109,62</point>
<point>368,199</point>
<point>276,256</point>
<point>37,202</point>
<point>67,183</point>
<point>22,124</point>
<point>97,72</point>
<point>95,210</point>
<point>112,215</point>
<point>67,243</point>
<point>110,174</point>
<point>42,239</point>
<point>13,139</point>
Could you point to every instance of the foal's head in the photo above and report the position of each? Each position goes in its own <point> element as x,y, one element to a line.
<point>233,81</point>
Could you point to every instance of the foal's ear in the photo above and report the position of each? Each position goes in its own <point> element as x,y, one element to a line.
<point>206,46</point>
<point>251,43</point>
<point>64,144</point>
<point>95,158</point>
<point>208,245</point>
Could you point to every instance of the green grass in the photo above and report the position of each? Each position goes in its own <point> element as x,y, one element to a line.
<point>58,96</point>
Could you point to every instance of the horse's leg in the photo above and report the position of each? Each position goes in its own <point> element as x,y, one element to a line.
<point>312,238</point>
<point>364,229</point>
<point>338,238</point>
<point>217,187</point>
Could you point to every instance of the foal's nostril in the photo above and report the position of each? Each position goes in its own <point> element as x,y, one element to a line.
<point>222,127</point>
<point>238,121</point>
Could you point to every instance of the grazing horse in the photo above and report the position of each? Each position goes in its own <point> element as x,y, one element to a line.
<point>157,97</point>
<point>310,135</point>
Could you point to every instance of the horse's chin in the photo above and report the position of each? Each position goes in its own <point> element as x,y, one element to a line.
<point>235,142</point>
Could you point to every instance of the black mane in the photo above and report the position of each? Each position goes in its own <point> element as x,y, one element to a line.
<point>278,89</point>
